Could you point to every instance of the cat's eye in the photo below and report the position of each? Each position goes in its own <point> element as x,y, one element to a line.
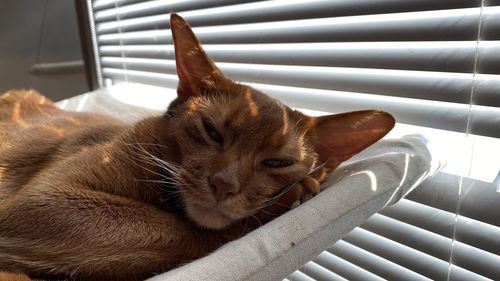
<point>212,132</point>
<point>277,163</point>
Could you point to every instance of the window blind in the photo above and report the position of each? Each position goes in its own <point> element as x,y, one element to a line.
<point>415,59</point>
<point>413,240</point>
<point>433,63</point>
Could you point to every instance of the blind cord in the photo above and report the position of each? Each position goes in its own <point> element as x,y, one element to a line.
<point>467,133</point>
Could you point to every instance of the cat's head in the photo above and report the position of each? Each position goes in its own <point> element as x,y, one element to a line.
<point>239,148</point>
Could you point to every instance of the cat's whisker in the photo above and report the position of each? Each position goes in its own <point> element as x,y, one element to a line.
<point>156,173</point>
<point>245,228</point>
<point>156,158</point>
<point>171,194</point>
<point>317,168</point>
<point>169,181</point>
<point>266,212</point>
<point>168,165</point>
<point>152,160</point>
<point>257,219</point>
<point>169,197</point>
<point>279,204</point>
<point>273,199</point>
<point>144,159</point>
<point>149,143</point>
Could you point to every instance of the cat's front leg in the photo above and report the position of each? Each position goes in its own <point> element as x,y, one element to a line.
<point>89,235</point>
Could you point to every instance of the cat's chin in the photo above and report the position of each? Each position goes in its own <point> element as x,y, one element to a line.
<point>208,217</point>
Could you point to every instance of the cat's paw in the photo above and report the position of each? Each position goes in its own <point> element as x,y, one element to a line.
<point>309,187</point>
<point>296,195</point>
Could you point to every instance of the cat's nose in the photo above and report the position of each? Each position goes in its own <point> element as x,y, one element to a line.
<point>223,186</point>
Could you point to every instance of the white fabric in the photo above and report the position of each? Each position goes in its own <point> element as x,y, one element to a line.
<point>380,175</point>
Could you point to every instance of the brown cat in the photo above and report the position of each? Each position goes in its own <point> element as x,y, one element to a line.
<point>86,197</point>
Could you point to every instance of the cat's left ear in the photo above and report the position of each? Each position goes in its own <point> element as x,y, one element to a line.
<point>338,137</point>
<point>194,68</point>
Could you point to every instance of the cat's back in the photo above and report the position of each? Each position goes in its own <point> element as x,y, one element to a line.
<point>34,132</point>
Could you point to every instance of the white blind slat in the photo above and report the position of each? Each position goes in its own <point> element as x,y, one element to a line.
<point>456,24</point>
<point>476,260</point>
<point>439,86</point>
<point>472,232</point>
<point>277,10</point>
<point>320,273</point>
<point>377,265</point>
<point>344,268</point>
<point>106,4</point>
<point>144,8</point>
<point>412,49</point>
<point>445,195</point>
<point>405,256</point>
<point>426,56</point>
<point>299,276</point>
<point>418,238</point>
<point>449,116</point>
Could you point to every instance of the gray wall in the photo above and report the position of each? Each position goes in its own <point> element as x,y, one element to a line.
<point>39,33</point>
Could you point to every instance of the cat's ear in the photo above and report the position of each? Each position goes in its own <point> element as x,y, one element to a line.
<point>338,137</point>
<point>194,68</point>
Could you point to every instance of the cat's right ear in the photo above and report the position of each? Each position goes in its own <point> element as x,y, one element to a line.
<point>194,68</point>
<point>338,137</point>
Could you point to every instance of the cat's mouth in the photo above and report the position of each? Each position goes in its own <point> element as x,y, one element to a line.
<point>209,217</point>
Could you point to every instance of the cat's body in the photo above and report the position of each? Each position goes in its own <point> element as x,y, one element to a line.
<point>87,197</point>
<point>66,178</point>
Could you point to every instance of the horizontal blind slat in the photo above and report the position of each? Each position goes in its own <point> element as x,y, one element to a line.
<point>382,267</point>
<point>145,8</point>
<point>456,274</point>
<point>299,276</point>
<point>320,273</point>
<point>432,219</point>
<point>155,79</point>
<point>442,222</point>
<point>98,5</point>
<point>438,86</point>
<point>405,256</point>
<point>441,192</point>
<point>444,25</point>
<point>491,23</point>
<point>412,236</point>
<point>488,57</point>
<point>480,261</point>
<point>492,3</point>
<point>458,56</point>
<point>487,90</point>
<point>281,10</point>
<point>488,239</point>
<point>476,260</point>
<point>442,86</point>
<point>441,115</point>
<point>344,268</point>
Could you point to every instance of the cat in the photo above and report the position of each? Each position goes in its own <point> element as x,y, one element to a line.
<point>86,197</point>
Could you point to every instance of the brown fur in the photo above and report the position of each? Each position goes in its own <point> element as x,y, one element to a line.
<point>5,276</point>
<point>86,197</point>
